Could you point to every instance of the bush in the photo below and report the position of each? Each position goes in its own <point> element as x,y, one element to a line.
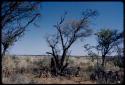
<point>41,63</point>
<point>28,59</point>
<point>70,61</point>
<point>90,69</point>
<point>16,79</point>
<point>118,63</point>
<point>20,79</point>
<point>8,62</point>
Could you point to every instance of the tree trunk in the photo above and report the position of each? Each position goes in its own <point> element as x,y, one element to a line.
<point>63,67</point>
<point>57,68</point>
<point>103,60</point>
<point>63,56</point>
<point>57,65</point>
<point>53,66</point>
<point>3,53</point>
<point>97,62</point>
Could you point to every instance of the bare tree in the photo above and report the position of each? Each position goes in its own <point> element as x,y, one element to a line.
<point>66,35</point>
<point>15,18</point>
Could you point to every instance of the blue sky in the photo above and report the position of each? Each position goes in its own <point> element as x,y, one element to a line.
<point>34,42</point>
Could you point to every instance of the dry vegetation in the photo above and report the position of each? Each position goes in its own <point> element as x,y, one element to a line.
<point>26,70</point>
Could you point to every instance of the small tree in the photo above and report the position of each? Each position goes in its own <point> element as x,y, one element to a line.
<point>107,39</point>
<point>67,34</point>
<point>15,18</point>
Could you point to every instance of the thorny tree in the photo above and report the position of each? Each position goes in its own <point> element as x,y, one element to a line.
<point>107,42</point>
<point>15,18</point>
<point>67,34</point>
<point>108,39</point>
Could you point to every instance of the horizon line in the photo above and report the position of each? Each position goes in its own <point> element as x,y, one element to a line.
<point>51,55</point>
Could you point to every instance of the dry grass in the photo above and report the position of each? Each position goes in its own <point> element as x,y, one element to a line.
<point>28,63</point>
